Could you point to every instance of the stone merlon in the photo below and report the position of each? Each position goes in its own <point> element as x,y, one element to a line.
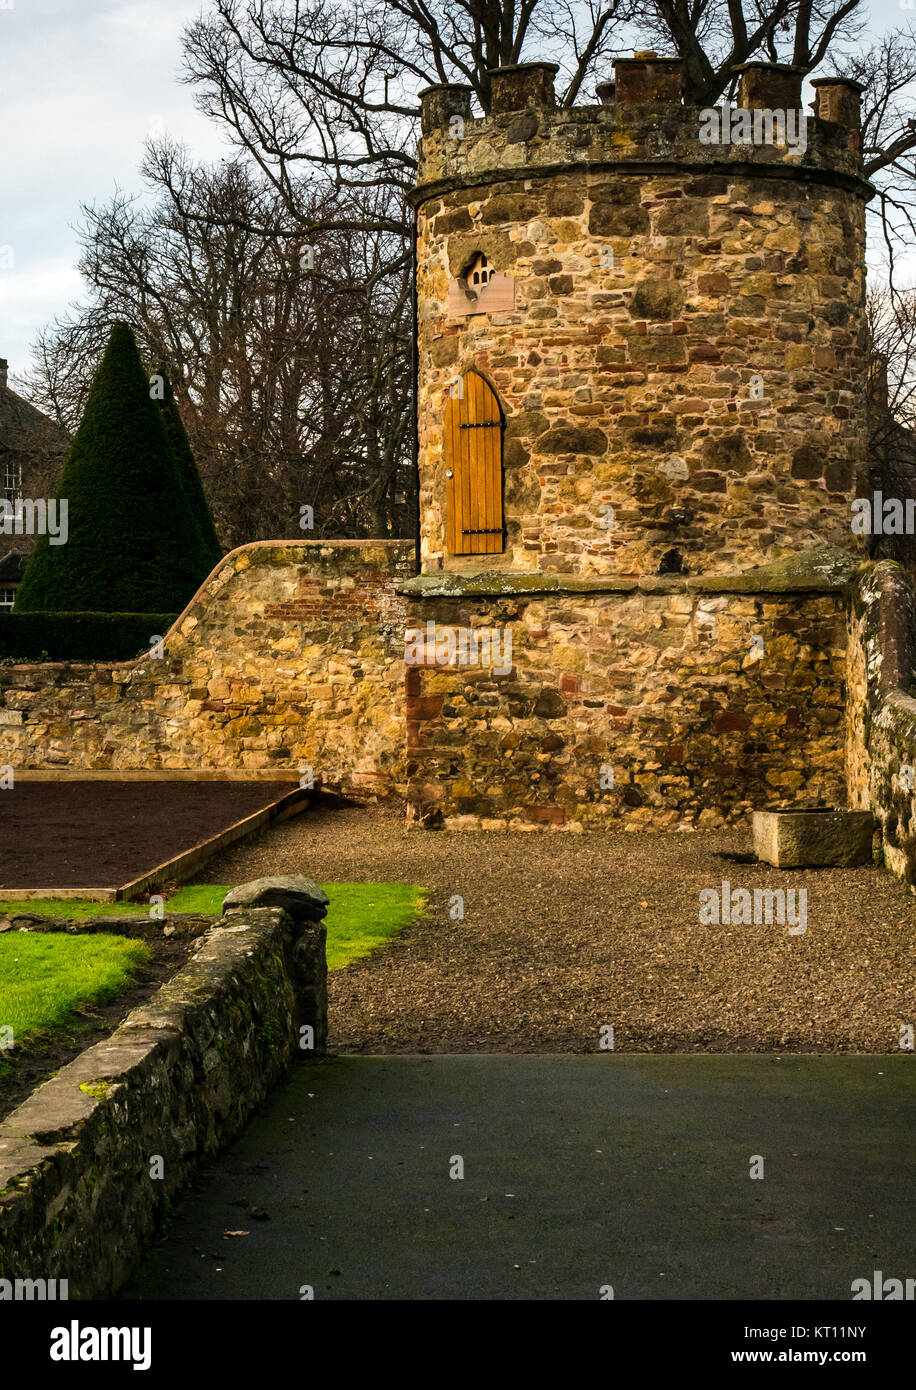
<point>641,121</point>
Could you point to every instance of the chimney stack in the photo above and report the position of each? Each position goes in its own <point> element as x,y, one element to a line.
<point>769,86</point>
<point>838,99</point>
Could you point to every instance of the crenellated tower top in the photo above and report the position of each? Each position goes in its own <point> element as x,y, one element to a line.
<point>641,119</point>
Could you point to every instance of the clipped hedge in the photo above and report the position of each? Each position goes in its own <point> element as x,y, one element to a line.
<point>79,636</point>
<point>133,543</point>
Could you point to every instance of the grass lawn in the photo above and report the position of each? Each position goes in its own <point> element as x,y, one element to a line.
<point>71,907</point>
<point>45,976</point>
<point>361,916</point>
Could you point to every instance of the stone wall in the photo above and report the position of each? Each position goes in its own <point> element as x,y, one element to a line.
<point>881,713</point>
<point>656,679</point>
<point>79,1196</point>
<point>660,284</point>
<point>290,655</point>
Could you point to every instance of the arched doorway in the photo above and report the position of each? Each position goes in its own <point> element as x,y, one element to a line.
<point>474,469</point>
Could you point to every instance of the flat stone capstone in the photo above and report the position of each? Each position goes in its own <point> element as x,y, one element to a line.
<point>294,893</point>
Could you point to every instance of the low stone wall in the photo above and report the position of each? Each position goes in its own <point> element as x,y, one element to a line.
<point>290,656</point>
<point>89,1163</point>
<point>655,679</point>
<point>881,715</point>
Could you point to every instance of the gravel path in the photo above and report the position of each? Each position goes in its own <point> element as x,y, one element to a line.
<point>564,934</point>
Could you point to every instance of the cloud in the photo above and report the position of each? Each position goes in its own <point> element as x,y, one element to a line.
<point>84,85</point>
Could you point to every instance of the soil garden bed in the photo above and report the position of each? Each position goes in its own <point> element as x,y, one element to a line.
<point>104,834</point>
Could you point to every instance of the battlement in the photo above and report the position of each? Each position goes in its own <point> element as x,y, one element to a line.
<point>641,126</point>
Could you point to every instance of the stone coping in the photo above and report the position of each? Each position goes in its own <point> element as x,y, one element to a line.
<point>136,924</point>
<point>641,168</point>
<point>821,569</point>
<point>90,1161</point>
<point>280,552</point>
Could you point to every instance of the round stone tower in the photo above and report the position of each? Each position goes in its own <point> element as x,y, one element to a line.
<point>664,339</point>
<point>641,386</point>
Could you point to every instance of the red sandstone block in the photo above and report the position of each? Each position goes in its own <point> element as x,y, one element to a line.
<point>705,352</point>
<point>729,722</point>
<point>424,707</point>
<point>412,683</point>
<point>213,704</point>
<point>545,815</point>
<point>570,684</point>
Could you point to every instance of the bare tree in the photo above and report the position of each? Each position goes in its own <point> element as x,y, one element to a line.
<point>302,386</point>
<point>891,411</point>
<point>715,36</point>
<point>333,89</point>
<point>290,360</point>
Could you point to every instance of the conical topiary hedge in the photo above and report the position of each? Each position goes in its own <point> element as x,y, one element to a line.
<point>187,468</point>
<point>134,544</point>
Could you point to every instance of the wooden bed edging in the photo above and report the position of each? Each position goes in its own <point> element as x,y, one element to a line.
<point>179,868</point>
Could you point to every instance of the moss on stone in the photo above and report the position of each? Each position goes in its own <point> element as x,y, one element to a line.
<point>506,583</point>
<point>821,568</point>
<point>98,1089</point>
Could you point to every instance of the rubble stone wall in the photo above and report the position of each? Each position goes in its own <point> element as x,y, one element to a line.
<point>290,656</point>
<point>704,703</point>
<point>81,1198</point>
<point>881,711</point>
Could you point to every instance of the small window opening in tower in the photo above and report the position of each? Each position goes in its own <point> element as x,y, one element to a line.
<point>672,562</point>
<point>479,271</point>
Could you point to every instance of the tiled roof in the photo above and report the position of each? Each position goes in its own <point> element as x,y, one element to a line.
<point>23,428</point>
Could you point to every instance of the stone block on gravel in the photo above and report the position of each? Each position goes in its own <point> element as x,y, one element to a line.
<point>297,895</point>
<point>813,839</point>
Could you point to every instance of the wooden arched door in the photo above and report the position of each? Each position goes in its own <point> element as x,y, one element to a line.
<point>474,469</point>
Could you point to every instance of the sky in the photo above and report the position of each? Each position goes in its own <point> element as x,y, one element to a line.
<point>82,85</point>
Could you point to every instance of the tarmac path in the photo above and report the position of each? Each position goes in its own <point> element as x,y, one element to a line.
<point>580,1172</point>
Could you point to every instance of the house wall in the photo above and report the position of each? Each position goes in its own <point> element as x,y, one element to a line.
<point>32,451</point>
<point>291,655</point>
